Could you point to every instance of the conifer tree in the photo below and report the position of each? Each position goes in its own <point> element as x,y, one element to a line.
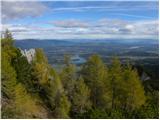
<point>125,86</point>
<point>25,105</point>
<point>133,89</point>
<point>81,97</point>
<point>50,86</point>
<point>62,107</point>
<point>41,70</point>
<point>8,76</point>
<point>115,82</point>
<point>23,70</point>
<point>57,100</point>
<point>95,76</point>
<point>8,83</point>
<point>37,90</point>
<point>8,73</point>
<point>7,39</point>
<point>68,77</point>
<point>17,103</point>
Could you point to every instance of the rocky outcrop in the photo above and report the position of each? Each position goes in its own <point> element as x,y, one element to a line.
<point>29,54</point>
<point>144,77</point>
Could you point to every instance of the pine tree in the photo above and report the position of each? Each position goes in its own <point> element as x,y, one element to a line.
<point>25,105</point>
<point>50,86</point>
<point>17,103</point>
<point>115,82</point>
<point>41,70</point>
<point>8,73</point>
<point>95,76</point>
<point>68,77</point>
<point>8,76</point>
<point>40,56</point>
<point>8,83</point>
<point>55,87</point>
<point>23,70</point>
<point>81,98</point>
<point>133,89</point>
<point>7,39</point>
<point>125,86</point>
<point>56,98</point>
<point>62,107</point>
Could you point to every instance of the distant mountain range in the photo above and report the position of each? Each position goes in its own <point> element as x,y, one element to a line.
<point>35,43</point>
<point>32,43</point>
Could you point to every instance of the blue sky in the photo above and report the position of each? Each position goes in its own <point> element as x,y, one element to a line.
<point>81,19</point>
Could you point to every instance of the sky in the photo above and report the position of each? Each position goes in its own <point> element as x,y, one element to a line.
<point>80,19</point>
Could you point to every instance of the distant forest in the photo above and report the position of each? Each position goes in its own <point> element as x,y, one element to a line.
<point>36,90</point>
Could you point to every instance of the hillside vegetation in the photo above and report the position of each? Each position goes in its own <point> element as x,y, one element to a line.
<point>37,90</point>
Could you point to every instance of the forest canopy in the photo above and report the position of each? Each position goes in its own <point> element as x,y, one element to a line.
<point>37,90</point>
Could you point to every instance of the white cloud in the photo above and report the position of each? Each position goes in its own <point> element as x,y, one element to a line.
<point>70,23</point>
<point>14,10</point>
<point>104,28</point>
<point>144,27</point>
<point>73,28</point>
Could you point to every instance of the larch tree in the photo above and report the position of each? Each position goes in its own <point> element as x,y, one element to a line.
<point>134,93</point>
<point>94,73</point>
<point>115,82</point>
<point>25,104</point>
<point>62,107</point>
<point>81,97</point>
<point>23,70</point>
<point>41,70</point>
<point>16,102</point>
<point>68,77</point>
<point>57,101</point>
<point>8,75</point>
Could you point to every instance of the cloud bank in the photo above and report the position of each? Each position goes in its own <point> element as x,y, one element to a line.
<point>104,28</point>
<point>78,28</point>
<point>12,10</point>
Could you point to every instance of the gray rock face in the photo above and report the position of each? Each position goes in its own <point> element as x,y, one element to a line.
<point>29,54</point>
<point>144,77</point>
